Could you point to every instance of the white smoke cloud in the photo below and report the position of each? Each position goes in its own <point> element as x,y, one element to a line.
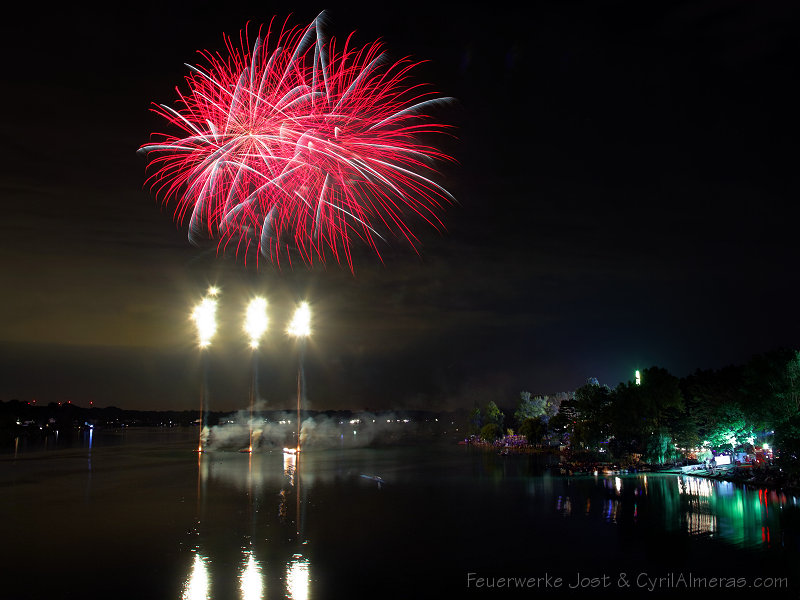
<point>317,432</point>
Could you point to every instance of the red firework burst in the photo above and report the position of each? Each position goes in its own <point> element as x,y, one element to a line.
<point>300,145</point>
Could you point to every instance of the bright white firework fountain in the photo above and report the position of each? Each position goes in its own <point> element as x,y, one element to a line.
<point>300,328</point>
<point>255,325</point>
<point>204,316</point>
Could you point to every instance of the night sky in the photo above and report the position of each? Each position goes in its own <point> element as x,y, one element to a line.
<point>627,189</point>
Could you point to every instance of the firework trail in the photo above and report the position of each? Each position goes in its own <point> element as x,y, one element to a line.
<point>300,144</point>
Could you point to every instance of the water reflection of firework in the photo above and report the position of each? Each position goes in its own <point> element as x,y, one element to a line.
<point>289,463</point>
<point>251,579</point>
<point>297,577</point>
<point>300,328</point>
<point>197,585</point>
<point>254,476</point>
<point>255,325</point>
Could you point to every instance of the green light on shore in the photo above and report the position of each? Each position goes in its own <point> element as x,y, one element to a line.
<point>638,377</point>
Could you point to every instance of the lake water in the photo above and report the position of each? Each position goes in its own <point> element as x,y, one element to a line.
<point>141,515</point>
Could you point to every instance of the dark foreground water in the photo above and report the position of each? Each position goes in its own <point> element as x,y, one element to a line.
<point>143,516</point>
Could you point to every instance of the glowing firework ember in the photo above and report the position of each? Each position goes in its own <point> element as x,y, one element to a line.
<point>300,144</point>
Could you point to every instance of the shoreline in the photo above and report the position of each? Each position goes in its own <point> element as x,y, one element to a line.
<point>767,478</point>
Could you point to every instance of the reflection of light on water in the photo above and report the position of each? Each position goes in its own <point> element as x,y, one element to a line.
<point>725,488</point>
<point>250,580</point>
<point>698,519</point>
<point>289,465</point>
<point>611,510</point>
<point>297,578</point>
<point>91,433</point>
<point>700,523</point>
<point>564,506</point>
<point>197,586</point>
<point>694,486</point>
<point>692,505</point>
<point>282,506</point>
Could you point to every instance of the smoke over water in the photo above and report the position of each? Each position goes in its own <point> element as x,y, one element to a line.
<point>277,430</point>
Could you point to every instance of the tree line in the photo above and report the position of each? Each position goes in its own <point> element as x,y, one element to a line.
<point>663,417</point>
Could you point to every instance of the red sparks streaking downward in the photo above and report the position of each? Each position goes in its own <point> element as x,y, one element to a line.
<point>302,145</point>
